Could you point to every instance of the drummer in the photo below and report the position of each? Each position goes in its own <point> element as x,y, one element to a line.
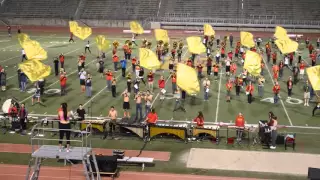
<point>199,120</point>
<point>239,126</point>
<point>151,120</point>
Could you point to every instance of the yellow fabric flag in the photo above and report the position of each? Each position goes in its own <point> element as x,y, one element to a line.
<point>148,59</point>
<point>22,37</point>
<point>161,35</point>
<point>35,70</point>
<point>34,50</point>
<point>247,39</point>
<point>280,33</point>
<point>252,63</point>
<point>82,32</point>
<point>102,43</point>
<point>136,27</point>
<point>187,79</point>
<point>314,77</point>
<point>208,30</point>
<point>73,26</point>
<point>286,45</point>
<point>195,45</point>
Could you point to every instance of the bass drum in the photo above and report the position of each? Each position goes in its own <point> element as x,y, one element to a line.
<point>7,103</point>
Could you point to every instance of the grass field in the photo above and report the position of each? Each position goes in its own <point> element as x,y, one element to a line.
<point>215,110</point>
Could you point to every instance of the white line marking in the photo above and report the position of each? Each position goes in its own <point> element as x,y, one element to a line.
<point>218,99</point>
<point>284,108</point>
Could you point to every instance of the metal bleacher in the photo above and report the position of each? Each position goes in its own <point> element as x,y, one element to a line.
<point>120,9</point>
<point>39,8</point>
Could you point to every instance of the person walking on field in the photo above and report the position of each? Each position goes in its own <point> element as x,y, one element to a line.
<point>87,47</point>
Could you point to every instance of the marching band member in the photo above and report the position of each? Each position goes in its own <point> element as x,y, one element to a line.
<point>87,47</point>
<point>150,77</point>
<point>240,126</point>
<point>126,104</point>
<point>289,87</point>
<point>13,116</point>
<point>64,125</point>
<point>276,90</point>
<point>273,125</point>
<point>148,100</point>
<point>23,114</point>
<point>161,84</point>
<point>133,39</point>
<point>229,87</point>
<point>249,91</point>
<point>113,114</point>
<point>179,102</point>
<point>199,120</point>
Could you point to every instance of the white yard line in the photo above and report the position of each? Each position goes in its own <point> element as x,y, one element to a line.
<point>281,101</point>
<point>154,100</point>
<point>218,99</point>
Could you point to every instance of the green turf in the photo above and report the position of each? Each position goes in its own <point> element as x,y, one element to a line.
<point>298,114</point>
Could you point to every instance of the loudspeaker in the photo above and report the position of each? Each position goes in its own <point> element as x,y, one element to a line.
<point>314,173</point>
<point>280,139</point>
<point>106,164</point>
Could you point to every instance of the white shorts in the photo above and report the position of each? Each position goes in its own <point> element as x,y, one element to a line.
<point>306,95</point>
<point>302,71</point>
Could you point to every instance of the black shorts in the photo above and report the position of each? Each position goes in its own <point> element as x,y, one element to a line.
<point>101,70</point>
<point>82,82</point>
<point>126,105</point>
<point>227,68</point>
<point>170,66</point>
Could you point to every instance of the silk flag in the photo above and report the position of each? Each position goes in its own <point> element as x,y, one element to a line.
<point>314,77</point>
<point>82,32</point>
<point>247,39</point>
<point>161,35</point>
<point>286,45</point>
<point>35,70</point>
<point>136,27</point>
<point>280,33</point>
<point>195,45</point>
<point>252,63</point>
<point>187,79</point>
<point>73,26</point>
<point>102,43</point>
<point>208,30</point>
<point>148,59</point>
<point>33,50</point>
<point>22,37</point>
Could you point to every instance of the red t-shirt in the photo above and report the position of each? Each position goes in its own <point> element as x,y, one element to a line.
<point>61,58</point>
<point>83,58</point>
<point>161,83</point>
<point>199,67</point>
<point>240,121</point>
<point>302,66</point>
<point>152,118</point>
<point>150,77</point>
<point>63,80</point>
<point>276,89</point>
<point>199,121</point>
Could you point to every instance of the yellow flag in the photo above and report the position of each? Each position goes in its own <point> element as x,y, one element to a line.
<point>208,30</point>
<point>247,39</point>
<point>252,63</point>
<point>148,59</point>
<point>187,79</point>
<point>314,77</point>
<point>34,50</point>
<point>195,45</point>
<point>73,26</point>
<point>286,45</point>
<point>136,27</point>
<point>82,32</point>
<point>35,70</point>
<point>280,33</point>
<point>161,35</point>
<point>102,43</point>
<point>22,37</point>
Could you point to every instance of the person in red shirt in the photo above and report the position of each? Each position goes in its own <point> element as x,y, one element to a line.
<point>313,57</point>
<point>161,84</point>
<point>223,55</point>
<point>63,83</point>
<point>240,125</point>
<point>71,37</point>
<point>236,52</point>
<point>109,76</point>
<point>83,60</point>
<point>310,47</point>
<point>275,69</point>
<point>13,117</point>
<point>189,62</point>
<point>61,58</point>
<point>209,66</point>
<point>291,58</point>
<point>174,82</point>
<point>216,71</point>
<point>301,69</point>
<point>249,91</point>
<point>233,68</point>
<point>199,69</point>
<point>274,57</point>
<point>230,55</point>
<point>276,90</point>
<point>150,78</point>
<point>289,87</point>
<point>199,120</point>
<point>229,88</point>
<point>115,60</point>
<point>134,62</point>
<point>151,120</point>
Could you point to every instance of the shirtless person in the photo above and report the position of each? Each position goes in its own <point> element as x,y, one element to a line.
<point>113,119</point>
<point>148,99</point>
<point>126,104</point>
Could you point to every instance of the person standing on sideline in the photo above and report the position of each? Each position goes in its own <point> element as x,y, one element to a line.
<point>115,60</point>
<point>306,94</point>
<point>276,90</point>
<point>123,63</point>
<point>148,100</point>
<point>229,88</point>
<point>151,120</point>
<point>273,125</point>
<point>138,100</point>
<point>61,58</point>
<point>206,86</point>
<point>289,87</point>
<point>113,114</point>
<point>64,126</point>
<point>63,83</point>
<point>87,48</point>
<point>88,86</point>
<point>126,104</point>
<point>56,66</point>
<point>240,125</point>
<point>231,40</point>
<point>24,56</point>
<point>249,91</point>
<point>23,114</point>
<point>71,37</point>
<point>113,87</point>
<point>199,120</point>
<point>179,102</point>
